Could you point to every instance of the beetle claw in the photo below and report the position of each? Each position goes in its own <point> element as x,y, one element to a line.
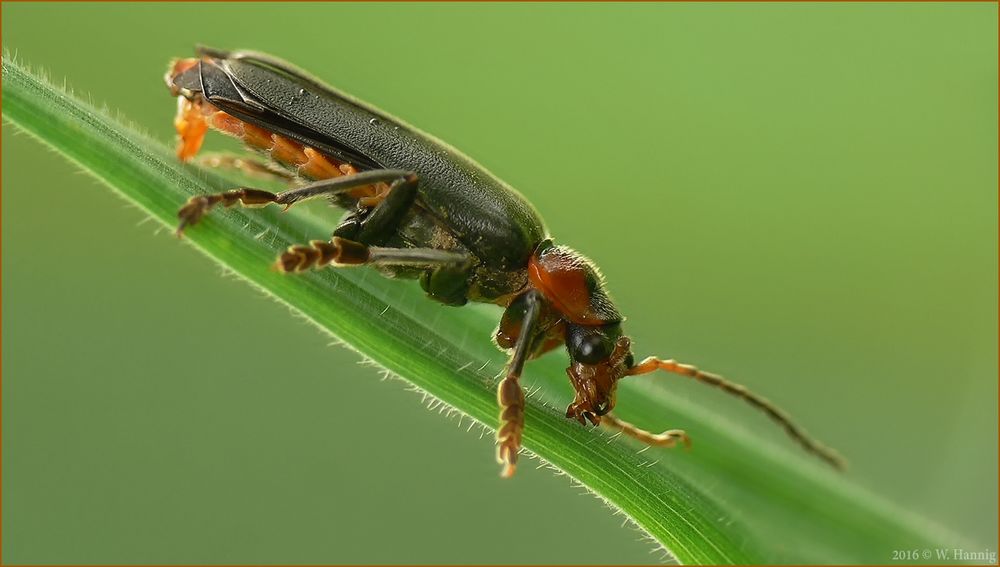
<point>191,213</point>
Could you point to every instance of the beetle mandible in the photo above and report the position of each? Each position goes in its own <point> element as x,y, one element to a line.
<point>417,208</point>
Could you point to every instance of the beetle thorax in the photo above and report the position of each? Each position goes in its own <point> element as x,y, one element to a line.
<point>572,285</point>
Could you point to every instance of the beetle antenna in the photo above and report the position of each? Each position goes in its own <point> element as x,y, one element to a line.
<point>794,431</point>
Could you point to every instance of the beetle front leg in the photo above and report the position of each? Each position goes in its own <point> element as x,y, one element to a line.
<point>199,205</point>
<point>668,438</point>
<point>510,395</point>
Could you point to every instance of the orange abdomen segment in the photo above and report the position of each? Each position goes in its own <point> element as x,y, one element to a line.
<point>572,284</point>
<point>195,117</point>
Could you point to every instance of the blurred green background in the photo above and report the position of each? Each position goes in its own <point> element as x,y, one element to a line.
<point>800,196</point>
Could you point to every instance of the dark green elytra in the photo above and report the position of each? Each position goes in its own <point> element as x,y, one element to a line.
<point>491,219</point>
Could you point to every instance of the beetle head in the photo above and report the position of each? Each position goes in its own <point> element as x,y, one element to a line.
<point>600,356</point>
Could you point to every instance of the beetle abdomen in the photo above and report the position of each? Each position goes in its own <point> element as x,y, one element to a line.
<point>195,116</point>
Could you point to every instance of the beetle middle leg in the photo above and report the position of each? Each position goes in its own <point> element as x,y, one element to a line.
<point>199,205</point>
<point>343,252</point>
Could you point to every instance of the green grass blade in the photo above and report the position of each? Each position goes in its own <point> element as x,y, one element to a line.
<point>731,500</point>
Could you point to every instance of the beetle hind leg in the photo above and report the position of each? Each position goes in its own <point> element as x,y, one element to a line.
<point>199,205</point>
<point>247,166</point>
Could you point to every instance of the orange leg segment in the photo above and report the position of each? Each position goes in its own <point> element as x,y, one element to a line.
<point>667,439</point>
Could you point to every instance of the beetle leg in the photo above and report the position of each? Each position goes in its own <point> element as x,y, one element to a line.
<point>248,166</point>
<point>668,438</point>
<point>384,218</point>
<point>197,206</point>
<point>344,252</point>
<point>510,395</point>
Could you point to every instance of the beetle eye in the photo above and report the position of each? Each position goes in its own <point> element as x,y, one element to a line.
<point>591,349</point>
<point>589,345</point>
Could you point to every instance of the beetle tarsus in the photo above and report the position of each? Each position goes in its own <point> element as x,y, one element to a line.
<point>191,213</point>
<point>345,252</point>
<point>322,253</point>
<point>510,398</point>
<point>199,205</point>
